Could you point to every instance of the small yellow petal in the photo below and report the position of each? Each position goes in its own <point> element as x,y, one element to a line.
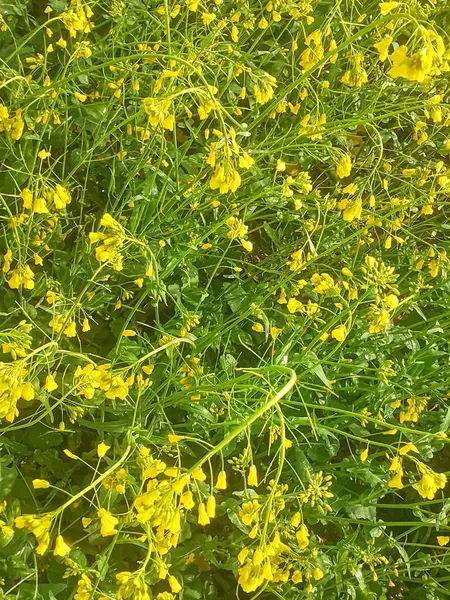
<point>40,484</point>
<point>128,333</point>
<point>443,540</point>
<point>70,454</point>
<point>102,449</point>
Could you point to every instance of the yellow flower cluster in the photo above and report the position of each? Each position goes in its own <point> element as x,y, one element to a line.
<point>356,75</point>
<point>262,564</point>
<point>13,387</point>
<point>425,62</point>
<point>91,377</point>
<point>238,230</point>
<point>111,242</point>
<point>107,523</point>
<point>159,507</point>
<point>223,157</point>
<point>21,275</point>
<point>273,562</point>
<point>116,481</point>
<point>431,482</point>
<point>317,491</point>
<point>380,313</point>
<point>160,112</point>
<point>264,89</point>
<point>58,198</point>
<point>76,18</point>
<point>132,585</point>
<point>13,126</point>
<point>39,525</point>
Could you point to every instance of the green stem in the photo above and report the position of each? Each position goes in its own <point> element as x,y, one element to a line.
<point>273,401</point>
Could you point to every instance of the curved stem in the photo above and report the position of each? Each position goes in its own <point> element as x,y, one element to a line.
<point>273,401</point>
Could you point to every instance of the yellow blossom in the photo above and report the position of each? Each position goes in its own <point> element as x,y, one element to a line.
<point>211,507</point>
<point>364,454</point>
<point>252,478</point>
<point>443,540</point>
<point>431,482</point>
<point>40,484</point>
<point>203,518</point>
<point>107,523</point>
<point>386,7</point>
<point>343,166</point>
<point>302,535</point>
<point>221,483</point>
<point>102,449</point>
<point>61,548</point>
<point>339,333</point>
<point>174,584</point>
<point>128,333</point>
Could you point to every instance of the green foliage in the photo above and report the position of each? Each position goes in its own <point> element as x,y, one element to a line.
<point>225,304</point>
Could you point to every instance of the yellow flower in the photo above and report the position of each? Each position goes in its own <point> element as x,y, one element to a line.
<point>386,7</point>
<point>159,112</point>
<point>252,478</point>
<point>187,500</point>
<point>86,327</point>
<point>396,482</point>
<point>76,20</point>
<point>431,482</point>
<point>107,523</point>
<point>40,484</point>
<point>221,483</point>
<point>302,535</point>
<point>409,447</point>
<point>102,449</point>
<point>383,47</point>
<point>179,484</point>
<point>128,333</point>
<point>225,178</point>
<point>247,244</point>
<point>443,540</point>
<point>7,258</point>
<point>61,548</point>
<point>198,474</point>
<point>43,154</point>
<point>343,166</point>
<point>275,332</point>
<point>71,329</point>
<point>352,209</point>
<point>258,327</point>
<point>21,276</point>
<point>61,197</point>
<point>39,525</point>
<point>415,67</point>
<point>339,333</point>
<point>208,18</point>
<point>264,90</point>
<point>13,387</point>
<point>174,584</point>
<point>173,438</point>
<point>211,507</point>
<point>203,518</point>
<point>318,573</point>
<point>364,454</point>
